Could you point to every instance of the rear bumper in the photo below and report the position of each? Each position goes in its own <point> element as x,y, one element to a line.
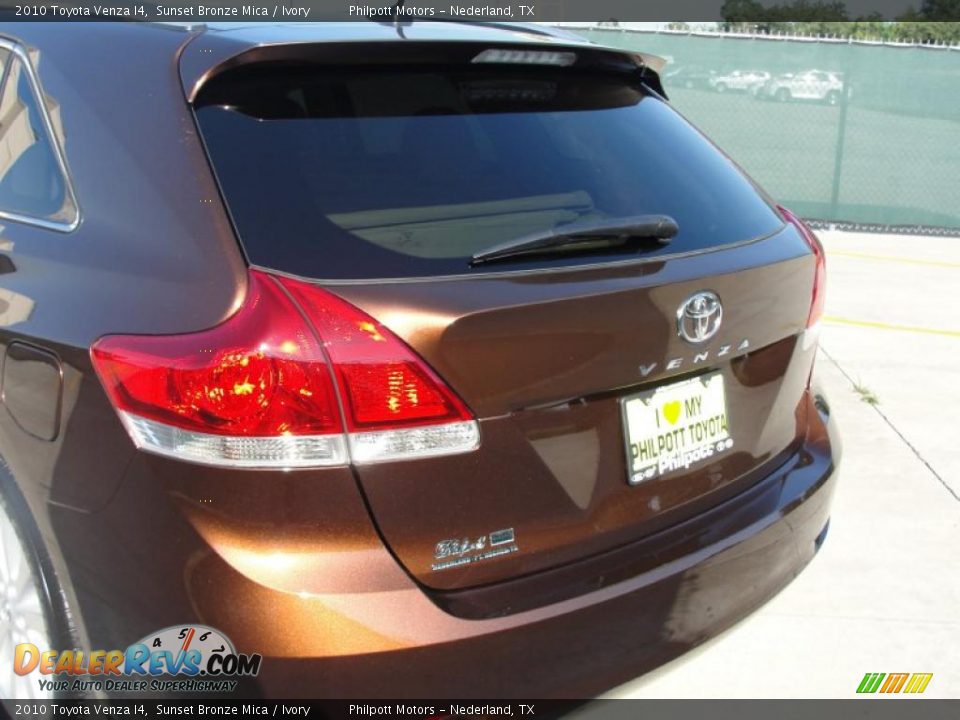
<point>752,546</point>
<point>335,616</point>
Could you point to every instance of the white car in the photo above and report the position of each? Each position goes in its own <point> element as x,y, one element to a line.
<point>810,85</point>
<point>740,80</point>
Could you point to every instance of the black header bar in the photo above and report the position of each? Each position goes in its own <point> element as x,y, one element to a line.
<point>611,11</point>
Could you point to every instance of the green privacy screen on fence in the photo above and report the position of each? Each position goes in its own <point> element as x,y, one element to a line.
<point>838,131</point>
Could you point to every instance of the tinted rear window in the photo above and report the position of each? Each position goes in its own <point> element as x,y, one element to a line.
<point>403,172</point>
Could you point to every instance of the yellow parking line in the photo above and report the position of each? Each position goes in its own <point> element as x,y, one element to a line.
<point>890,258</point>
<point>833,320</point>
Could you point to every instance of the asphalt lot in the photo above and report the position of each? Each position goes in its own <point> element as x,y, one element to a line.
<point>883,595</point>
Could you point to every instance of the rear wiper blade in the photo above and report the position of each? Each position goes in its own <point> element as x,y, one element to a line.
<point>659,228</point>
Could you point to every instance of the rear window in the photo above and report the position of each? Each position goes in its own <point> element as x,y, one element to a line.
<point>379,172</point>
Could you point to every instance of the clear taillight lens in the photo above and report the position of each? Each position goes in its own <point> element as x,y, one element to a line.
<point>265,389</point>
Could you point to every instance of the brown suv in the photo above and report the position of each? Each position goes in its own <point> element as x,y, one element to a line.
<point>435,359</point>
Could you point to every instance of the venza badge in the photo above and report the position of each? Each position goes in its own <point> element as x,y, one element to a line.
<point>699,317</point>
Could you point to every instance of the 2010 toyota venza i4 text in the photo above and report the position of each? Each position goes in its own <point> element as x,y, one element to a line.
<point>370,360</point>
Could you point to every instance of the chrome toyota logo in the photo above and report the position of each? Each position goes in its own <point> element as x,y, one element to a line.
<point>699,316</point>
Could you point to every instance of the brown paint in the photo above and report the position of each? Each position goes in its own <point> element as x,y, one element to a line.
<point>327,572</point>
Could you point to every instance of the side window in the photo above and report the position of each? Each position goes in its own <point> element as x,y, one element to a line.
<point>32,183</point>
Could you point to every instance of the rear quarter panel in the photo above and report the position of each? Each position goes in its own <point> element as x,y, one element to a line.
<point>153,253</point>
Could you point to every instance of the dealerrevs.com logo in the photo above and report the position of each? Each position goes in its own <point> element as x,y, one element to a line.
<point>183,658</point>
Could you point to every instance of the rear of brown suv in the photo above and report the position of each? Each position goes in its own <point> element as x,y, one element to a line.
<point>443,361</point>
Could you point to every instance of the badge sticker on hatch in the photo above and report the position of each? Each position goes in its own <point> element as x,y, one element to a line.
<point>456,552</point>
<point>675,426</point>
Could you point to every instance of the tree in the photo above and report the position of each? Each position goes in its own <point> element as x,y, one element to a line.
<point>742,15</point>
<point>747,15</point>
<point>940,10</point>
<point>911,30</point>
<point>829,17</point>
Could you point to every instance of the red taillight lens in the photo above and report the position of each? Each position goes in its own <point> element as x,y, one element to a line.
<point>384,383</point>
<point>261,373</point>
<point>820,271</point>
<point>258,391</point>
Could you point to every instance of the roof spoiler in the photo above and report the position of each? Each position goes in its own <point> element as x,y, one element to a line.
<point>209,54</point>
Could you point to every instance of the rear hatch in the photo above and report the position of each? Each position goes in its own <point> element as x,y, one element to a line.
<point>620,387</point>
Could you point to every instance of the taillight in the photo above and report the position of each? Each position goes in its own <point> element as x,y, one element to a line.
<point>265,389</point>
<point>820,270</point>
<point>395,406</point>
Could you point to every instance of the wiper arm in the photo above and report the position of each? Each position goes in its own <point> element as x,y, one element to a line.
<point>660,228</point>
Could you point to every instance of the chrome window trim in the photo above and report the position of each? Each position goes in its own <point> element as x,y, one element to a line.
<point>18,51</point>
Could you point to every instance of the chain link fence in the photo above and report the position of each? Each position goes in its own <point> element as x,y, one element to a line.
<point>857,133</point>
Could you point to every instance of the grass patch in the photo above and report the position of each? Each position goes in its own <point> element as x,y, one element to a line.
<point>865,393</point>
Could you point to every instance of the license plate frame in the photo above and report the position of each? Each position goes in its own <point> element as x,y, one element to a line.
<point>700,430</point>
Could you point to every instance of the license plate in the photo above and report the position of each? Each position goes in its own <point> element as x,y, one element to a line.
<point>675,427</point>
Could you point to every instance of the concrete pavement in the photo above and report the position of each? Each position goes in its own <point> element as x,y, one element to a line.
<point>883,595</point>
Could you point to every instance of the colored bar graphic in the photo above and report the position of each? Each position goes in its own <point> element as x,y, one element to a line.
<point>895,682</point>
<point>918,683</point>
<point>870,682</point>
